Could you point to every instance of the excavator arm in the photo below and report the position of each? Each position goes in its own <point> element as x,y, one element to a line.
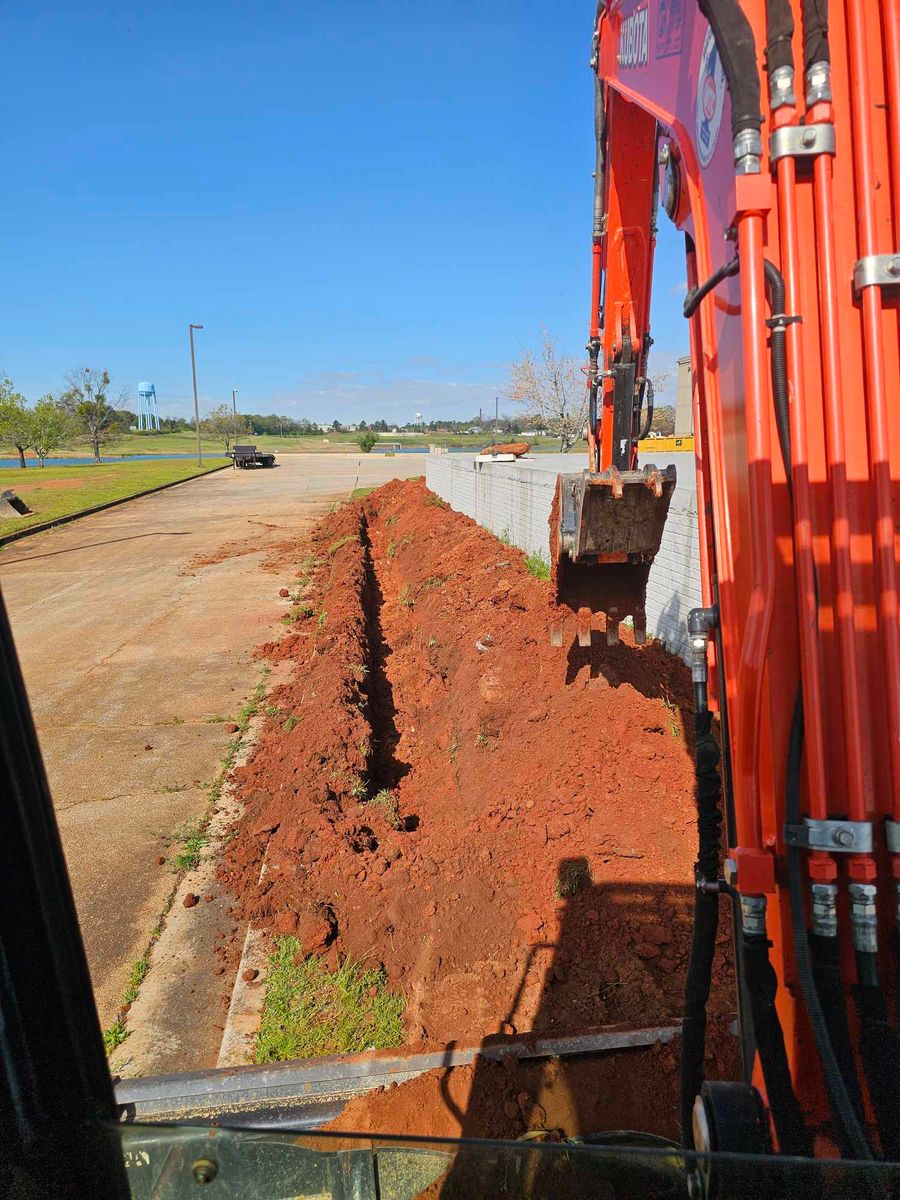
<point>788,196</point>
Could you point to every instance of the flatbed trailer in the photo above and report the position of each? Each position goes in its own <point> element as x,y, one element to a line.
<point>248,456</point>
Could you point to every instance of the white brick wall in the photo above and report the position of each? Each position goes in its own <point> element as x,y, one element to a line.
<point>514,500</point>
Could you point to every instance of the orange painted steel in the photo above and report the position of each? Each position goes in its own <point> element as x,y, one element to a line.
<point>806,580</point>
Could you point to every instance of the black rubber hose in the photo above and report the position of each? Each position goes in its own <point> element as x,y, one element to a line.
<point>646,391</point>
<point>879,1049</point>
<point>762,984</point>
<point>778,354</point>
<point>706,916</point>
<point>830,990</point>
<point>838,1097</point>
<point>815,33</point>
<point>737,51</point>
<point>779,31</point>
<point>599,159</point>
<point>697,294</point>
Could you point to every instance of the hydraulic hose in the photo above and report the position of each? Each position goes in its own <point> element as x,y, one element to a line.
<point>737,51</point>
<point>879,1049</point>
<point>815,33</point>
<point>646,392</point>
<point>778,324</point>
<point>779,32</point>
<point>699,293</point>
<point>706,913</point>
<point>829,987</point>
<point>845,1117</point>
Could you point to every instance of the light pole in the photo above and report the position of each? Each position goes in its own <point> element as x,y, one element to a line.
<point>191,329</point>
<point>234,401</point>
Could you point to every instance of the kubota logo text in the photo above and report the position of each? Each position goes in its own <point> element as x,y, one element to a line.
<point>634,39</point>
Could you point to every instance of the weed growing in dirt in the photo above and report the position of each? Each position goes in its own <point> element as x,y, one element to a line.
<point>453,746</point>
<point>272,710</point>
<point>361,493</point>
<point>290,723</point>
<point>672,710</point>
<point>308,563</point>
<point>342,541</point>
<point>310,1011</point>
<point>392,520</point>
<point>434,581</point>
<point>391,548</point>
<point>188,857</point>
<point>216,720</point>
<point>434,500</point>
<point>116,1034</point>
<point>357,787</point>
<point>538,566</point>
<point>298,613</point>
<point>321,619</point>
<point>406,596</point>
<point>359,671</point>
<point>171,788</point>
<point>505,538</point>
<point>387,801</point>
<point>574,874</point>
<point>487,737</point>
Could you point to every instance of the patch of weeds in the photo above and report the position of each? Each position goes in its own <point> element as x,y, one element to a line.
<point>672,711</point>
<point>387,801</point>
<point>216,720</point>
<point>537,565</point>
<point>406,596</point>
<point>365,747</point>
<point>505,538</point>
<point>453,746</point>
<point>574,874</point>
<point>391,548</point>
<point>178,720</point>
<point>342,541</point>
<point>298,613</point>
<point>357,787</point>
<point>310,1011</point>
<point>290,723</point>
<point>392,520</point>
<point>308,563</point>
<point>361,493</point>
<point>188,857</point>
<point>321,619</point>
<point>136,978</point>
<point>434,581</point>
<point>359,671</point>
<point>115,1035</point>
<point>170,788</point>
<point>435,501</point>
<point>272,710</point>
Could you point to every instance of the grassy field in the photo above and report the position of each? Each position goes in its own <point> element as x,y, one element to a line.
<point>58,491</point>
<point>320,443</point>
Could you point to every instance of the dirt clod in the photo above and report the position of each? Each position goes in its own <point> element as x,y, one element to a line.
<point>190,900</point>
<point>249,974</point>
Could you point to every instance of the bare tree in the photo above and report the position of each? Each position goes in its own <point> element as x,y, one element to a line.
<point>552,390</point>
<point>87,399</point>
<point>223,424</point>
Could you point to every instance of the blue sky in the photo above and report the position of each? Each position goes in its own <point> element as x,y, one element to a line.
<point>370,208</point>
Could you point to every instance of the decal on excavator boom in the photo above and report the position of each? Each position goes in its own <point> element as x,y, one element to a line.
<point>634,39</point>
<point>710,100</point>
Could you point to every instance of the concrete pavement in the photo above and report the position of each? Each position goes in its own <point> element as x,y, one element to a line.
<point>135,628</point>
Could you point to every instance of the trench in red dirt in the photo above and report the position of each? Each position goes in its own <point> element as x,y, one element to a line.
<point>525,871</point>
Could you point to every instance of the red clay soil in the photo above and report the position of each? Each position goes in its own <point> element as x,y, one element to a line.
<point>530,871</point>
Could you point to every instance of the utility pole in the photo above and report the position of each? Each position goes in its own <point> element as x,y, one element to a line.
<point>191,329</point>
<point>234,401</point>
<point>496,409</point>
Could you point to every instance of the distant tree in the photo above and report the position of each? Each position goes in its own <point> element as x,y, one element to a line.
<point>367,441</point>
<point>380,426</point>
<point>551,389</point>
<point>52,426</point>
<point>664,421</point>
<point>87,399</point>
<point>226,426</point>
<point>362,426</point>
<point>336,426</point>
<point>16,421</point>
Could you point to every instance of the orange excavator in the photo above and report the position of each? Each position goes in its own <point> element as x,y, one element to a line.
<point>769,133</point>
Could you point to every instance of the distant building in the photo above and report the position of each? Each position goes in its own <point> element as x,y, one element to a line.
<point>684,399</point>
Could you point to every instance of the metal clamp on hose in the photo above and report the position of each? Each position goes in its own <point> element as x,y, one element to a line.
<point>847,837</point>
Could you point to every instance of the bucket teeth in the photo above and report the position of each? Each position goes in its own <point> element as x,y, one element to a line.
<point>612,627</point>
<point>640,627</point>
<point>584,627</point>
<point>556,633</point>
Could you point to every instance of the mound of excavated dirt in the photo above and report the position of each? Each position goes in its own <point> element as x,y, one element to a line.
<point>507,827</point>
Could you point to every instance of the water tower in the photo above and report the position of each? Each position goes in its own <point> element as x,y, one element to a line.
<point>148,409</point>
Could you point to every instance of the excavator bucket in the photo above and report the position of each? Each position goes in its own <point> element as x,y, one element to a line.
<point>605,531</point>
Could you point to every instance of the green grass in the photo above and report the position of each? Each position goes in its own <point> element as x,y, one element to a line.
<point>406,596</point>
<point>54,492</point>
<point>192,843</point>
<point>538,565</point>
<point>116,1034</point>
<point>310,1011</point>
<point>361,493</point>
<point>386,800</point>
